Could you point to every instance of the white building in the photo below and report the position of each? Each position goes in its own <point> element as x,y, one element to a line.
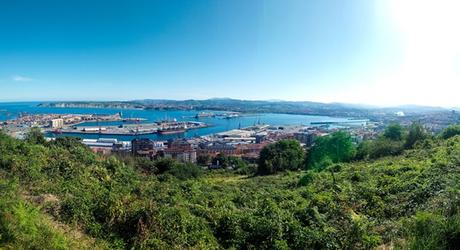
<point>57,123</point>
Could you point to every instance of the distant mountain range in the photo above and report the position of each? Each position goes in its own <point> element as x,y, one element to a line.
<point>273,106</point>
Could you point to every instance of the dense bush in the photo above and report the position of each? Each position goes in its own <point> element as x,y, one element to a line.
<point>429,231</point>
<point>203,160</point>
<point>334,148</point>
<point>35,136</point>
<point>450,131</point>
<point>185,171</point>
<point>392,141</point>
<point>23,226</point>
<point>280,156</point>
<point>416,133</point>
<point>393,132</point>
<point>379,148</point>
<point>405,201</point>
<point>232,162</point>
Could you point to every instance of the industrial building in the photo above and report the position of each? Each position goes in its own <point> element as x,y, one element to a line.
<point>56,123</point>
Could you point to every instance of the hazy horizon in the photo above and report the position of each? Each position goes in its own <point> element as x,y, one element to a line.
<point>362,52</point>
<point>364,105</point>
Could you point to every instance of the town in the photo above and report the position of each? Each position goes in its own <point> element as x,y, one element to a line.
<point>244,142</point>
<point>74,124</point>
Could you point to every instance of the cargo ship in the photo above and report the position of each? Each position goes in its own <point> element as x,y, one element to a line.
<point>56,131</point>
<point>177,128</point>
<point>204,115</point>
<point>171,131</point>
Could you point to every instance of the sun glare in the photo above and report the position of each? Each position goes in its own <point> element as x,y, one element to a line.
<point>429,34</point>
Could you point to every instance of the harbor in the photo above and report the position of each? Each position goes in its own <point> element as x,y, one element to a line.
<point>160,127</point>
<point>127,124</point>
<point>224,115</point>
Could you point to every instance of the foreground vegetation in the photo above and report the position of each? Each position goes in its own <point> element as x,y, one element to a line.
<point>59,195</point>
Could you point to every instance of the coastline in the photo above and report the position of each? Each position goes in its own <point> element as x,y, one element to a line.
<point>352,114</point>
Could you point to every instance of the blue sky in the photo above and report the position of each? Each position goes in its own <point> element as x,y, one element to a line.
<point>324,50</point>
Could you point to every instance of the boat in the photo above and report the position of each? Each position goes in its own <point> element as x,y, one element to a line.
<point>57,131</point>
<point>231,116</point>
<point>204,115</point>
<point>133,120</point>
<point>171,131</point>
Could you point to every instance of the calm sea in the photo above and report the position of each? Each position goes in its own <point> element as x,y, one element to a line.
<point>12,110</point>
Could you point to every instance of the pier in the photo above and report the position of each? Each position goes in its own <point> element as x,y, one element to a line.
<point>339,122</point>
<point>162,127</point>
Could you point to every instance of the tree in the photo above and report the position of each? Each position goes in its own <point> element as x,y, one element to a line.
<point>385,147</point>
<point>35,136</point>
<point>379,148</point>
<point>184,171</point>
<point>146,164</point>
<point>394,132</point>
<point>220,160</point>
<point>280,156</point>
<point>450,131</point>
<point>67,142</point>
<point>337,147</point>
<point>363,150</point>
<point>203,160</point>
<point>164,164</point>
<point>229,161</point>
<point>416,133</point>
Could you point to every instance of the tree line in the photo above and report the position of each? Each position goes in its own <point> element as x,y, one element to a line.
<point>339,147</point>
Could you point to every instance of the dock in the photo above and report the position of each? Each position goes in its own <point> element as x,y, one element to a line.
<point>133,129</point>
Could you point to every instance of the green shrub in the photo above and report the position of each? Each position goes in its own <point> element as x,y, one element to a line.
<point>450,131</point>
<point>393,132</point>
<point>336,147</point>
<point>185,171</point>
<point>280,156</point>
<point>416,133</point>
<point>307,178</point>
<point>409,200</point>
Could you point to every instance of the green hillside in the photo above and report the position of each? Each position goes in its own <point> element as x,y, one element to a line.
<point>59,195</point>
